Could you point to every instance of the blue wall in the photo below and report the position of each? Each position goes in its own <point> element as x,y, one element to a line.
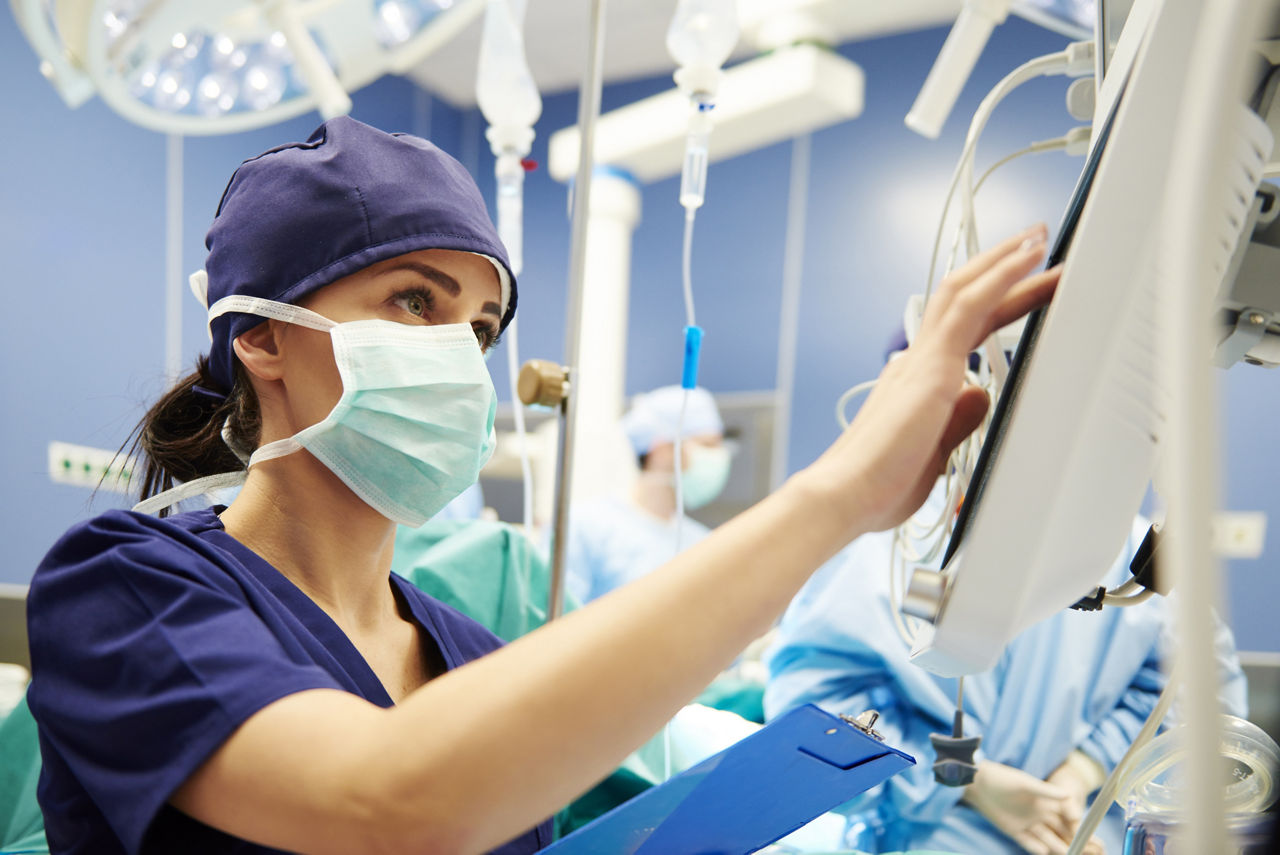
<point>83,210</point>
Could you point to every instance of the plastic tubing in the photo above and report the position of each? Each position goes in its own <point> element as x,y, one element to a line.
<point>1102,802</point>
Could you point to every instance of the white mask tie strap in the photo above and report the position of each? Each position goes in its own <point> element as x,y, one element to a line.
<point>272,450</point>
<point>270,309</point>
<point>195,487</point>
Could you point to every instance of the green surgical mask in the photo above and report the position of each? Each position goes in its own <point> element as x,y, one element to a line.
<point>414,424</point>
<point>706,475</point>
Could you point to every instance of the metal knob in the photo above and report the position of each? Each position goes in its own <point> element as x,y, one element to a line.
<point>543,383</point>
<point>924,595</point>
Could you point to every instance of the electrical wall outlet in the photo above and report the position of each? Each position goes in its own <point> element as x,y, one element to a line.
<point>95,468</point>
<point>1239,534</point>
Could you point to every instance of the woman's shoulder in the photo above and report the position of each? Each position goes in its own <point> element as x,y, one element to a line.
<point>124,523</point>
<point>120,539</point>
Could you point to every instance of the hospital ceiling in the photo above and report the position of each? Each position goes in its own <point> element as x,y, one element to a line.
<point>635,38</point>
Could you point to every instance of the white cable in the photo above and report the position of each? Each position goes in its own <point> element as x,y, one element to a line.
<point>1067,61</point>
<point>1055,144</point>
<point>848,396</point>
<point>1055,63</point>
<point>1125,588</point>
<point>1130,600</point>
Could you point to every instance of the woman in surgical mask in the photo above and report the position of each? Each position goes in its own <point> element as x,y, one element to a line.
<point>252,678</point>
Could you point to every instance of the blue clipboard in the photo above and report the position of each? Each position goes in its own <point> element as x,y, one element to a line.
<point>747,796</point>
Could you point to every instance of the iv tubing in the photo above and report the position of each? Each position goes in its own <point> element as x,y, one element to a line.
<point>686,268</point>
<point>1102,802</point>
<point>588,114</point>
<point>693,351</point>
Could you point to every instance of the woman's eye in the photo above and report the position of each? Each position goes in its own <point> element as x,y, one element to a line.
<point>414,302</point>
<point>487,336</point>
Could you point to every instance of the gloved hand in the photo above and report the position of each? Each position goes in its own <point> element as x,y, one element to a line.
<point>1080,775</point>
<point>1034,813</point>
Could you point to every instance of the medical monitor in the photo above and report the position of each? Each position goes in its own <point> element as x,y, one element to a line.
<point>1074,435</point>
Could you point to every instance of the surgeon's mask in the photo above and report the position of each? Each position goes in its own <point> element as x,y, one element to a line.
<point>704,478</point>
<point>414,424</point>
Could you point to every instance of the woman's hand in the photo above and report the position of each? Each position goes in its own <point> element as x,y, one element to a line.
<point>883,466</point>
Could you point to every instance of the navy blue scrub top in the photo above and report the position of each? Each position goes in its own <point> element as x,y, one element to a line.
<point>152,640</point>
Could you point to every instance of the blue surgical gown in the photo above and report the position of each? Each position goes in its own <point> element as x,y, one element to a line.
<point>613,542</point>
<point>1083,680</point>
<point>152,640</point>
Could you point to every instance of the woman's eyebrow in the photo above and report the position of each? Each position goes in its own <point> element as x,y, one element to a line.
<point>444,280</point>
<point>426,271</point>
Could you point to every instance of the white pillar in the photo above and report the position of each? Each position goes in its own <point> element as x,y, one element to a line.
<point>603,462</point>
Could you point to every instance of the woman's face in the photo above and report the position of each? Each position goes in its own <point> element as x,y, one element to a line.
<point>424,288</point>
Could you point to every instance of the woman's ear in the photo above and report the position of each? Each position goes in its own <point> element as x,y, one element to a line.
<point>259,350</point>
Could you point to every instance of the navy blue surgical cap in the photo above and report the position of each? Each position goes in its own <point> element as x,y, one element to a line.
<point>303,215</point>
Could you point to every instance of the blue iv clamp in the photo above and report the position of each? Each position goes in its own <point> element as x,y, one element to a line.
<point>749,795</point>
<point>692,352</point>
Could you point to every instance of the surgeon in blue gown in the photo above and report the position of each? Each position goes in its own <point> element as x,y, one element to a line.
<point>1055,713</point>
<point>614,540</point>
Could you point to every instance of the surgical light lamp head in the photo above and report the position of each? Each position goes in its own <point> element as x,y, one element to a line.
<point>217,66</point>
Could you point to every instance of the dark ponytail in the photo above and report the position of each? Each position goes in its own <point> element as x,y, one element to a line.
<point>180,437</point>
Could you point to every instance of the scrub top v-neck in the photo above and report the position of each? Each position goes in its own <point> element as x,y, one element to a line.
<point>152,640</point>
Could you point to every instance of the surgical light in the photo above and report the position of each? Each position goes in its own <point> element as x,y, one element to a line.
<point>216,66</point>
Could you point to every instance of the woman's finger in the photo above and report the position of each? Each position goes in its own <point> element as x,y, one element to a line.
<point>1030,293</point>
<point>991,287</point>
<point>985,260</point>
<point>971,315</point>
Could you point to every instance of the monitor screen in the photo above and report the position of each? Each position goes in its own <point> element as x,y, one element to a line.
<point>1026,346</point>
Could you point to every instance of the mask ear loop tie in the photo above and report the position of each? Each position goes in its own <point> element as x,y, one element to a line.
<point>196,487</point>
<point>270,309</point>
